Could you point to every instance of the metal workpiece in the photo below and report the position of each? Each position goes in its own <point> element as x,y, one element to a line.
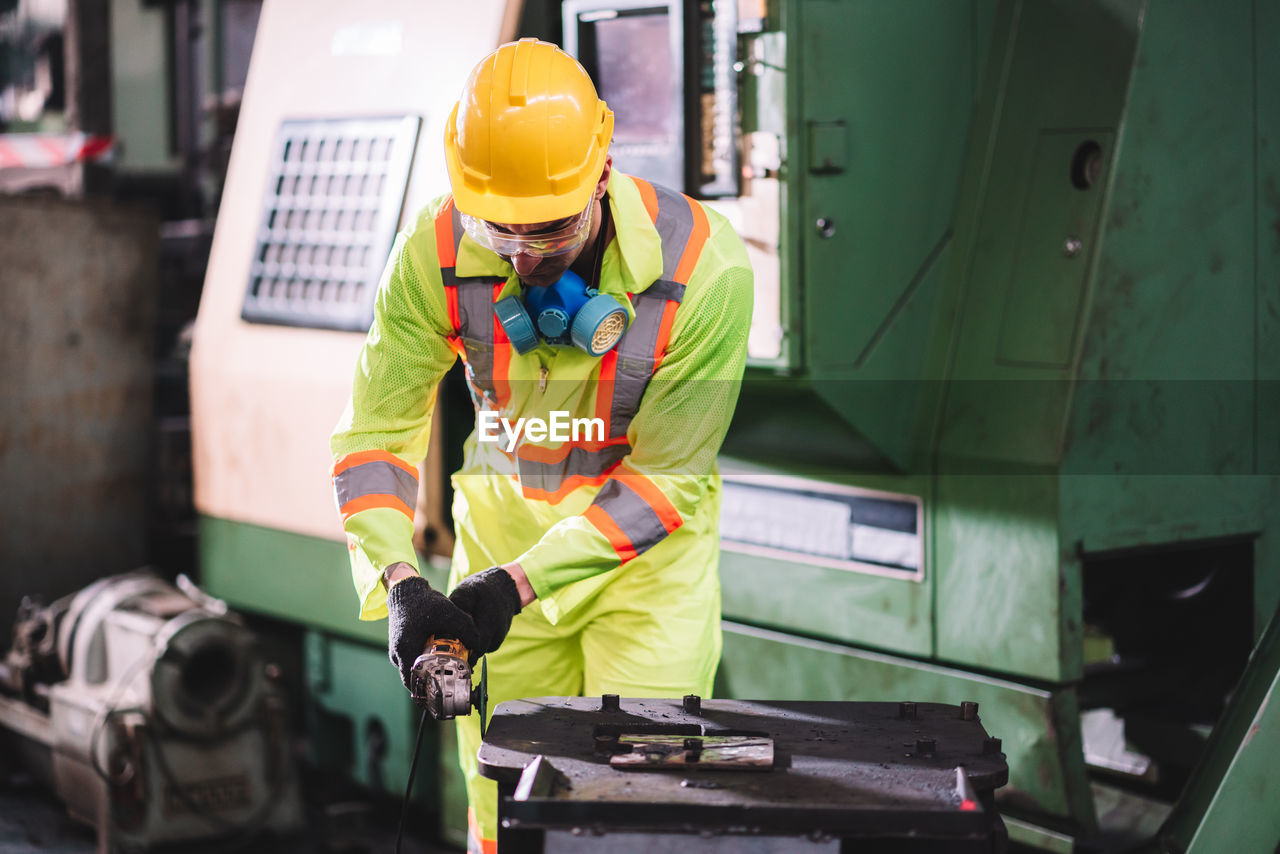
<point>566,767</point>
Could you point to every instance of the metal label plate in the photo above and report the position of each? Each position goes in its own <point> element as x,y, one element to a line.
<point>825,524</point>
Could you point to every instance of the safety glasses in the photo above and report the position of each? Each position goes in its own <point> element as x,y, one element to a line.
<point>562,239</point>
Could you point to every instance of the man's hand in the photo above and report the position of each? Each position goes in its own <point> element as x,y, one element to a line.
<point>522,583</point>
<point>417,613</point>
<point>491,598</point>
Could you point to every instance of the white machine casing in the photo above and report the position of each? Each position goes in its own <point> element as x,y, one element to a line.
<point>167,726</point>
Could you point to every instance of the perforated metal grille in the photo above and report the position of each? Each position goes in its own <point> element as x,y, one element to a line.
<point>330,211</point>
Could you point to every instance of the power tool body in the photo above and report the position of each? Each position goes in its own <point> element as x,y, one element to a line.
<point>441,681</point>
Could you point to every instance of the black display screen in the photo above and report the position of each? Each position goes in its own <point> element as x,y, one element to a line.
<point>636,75</point>
<point>666,69</point>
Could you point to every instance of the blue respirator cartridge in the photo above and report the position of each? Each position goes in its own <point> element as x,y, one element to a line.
<point>566,314</point>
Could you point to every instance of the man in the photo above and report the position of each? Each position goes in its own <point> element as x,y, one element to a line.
<point>605,543</point>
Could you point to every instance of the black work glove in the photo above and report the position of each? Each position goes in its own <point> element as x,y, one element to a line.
<point>491,599</point>
<point>416,613</point>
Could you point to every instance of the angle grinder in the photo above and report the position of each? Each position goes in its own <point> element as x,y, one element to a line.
<point>441,682</point>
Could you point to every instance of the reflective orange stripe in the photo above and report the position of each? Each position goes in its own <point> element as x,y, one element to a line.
<point>451,304</point>
<point>664,332</point>
<point>487,846</point>
<point>571,483</point>
<point>605,525</point>
<point>697,239</point>
<point>368,502</point>
<point>649,196</point>
<point>654,497</point>
<point>539,454</point>
<point>445,251</point>
<point>604,389</point>
<point>361,457</point>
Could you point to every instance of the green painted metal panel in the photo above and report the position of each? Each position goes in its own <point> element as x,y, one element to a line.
<point>1166,373</point>
<point>1171,438</point>
<point>1242,815</point>
<point>1266,556</point>
<point>305,580</point>
<point>1026,833</point>
<point>1013,346</point>
<point>1229,795</point>
<point>897,70</point>
<point>884,613</point>
<point>1266,35</point>
<point>1038,726</point>
<point>1001,586</point>
<point>1040,320</point>
<point>1111,512</point>
<point>1008,327</point>
<point>885,110</point>
<point>1266,153</point>
<point>791,421</point>
<point>842,605</point>
<point>301,579</point>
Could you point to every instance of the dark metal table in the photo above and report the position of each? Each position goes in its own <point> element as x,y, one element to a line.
<point>900,777</point>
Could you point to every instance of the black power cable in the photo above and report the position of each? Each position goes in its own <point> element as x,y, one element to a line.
<point>408,787</point>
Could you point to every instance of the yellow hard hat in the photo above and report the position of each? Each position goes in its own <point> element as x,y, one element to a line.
<point>527,140</point>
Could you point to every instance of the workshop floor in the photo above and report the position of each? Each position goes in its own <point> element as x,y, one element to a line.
<point>33,822</point>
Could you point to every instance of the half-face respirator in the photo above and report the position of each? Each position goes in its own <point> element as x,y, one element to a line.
<point>566,314</point>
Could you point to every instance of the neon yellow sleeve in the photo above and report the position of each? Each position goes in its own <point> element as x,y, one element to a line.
<point>383,433</point>
<point>675,437</point>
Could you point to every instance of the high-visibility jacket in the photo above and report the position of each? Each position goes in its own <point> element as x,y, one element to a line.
<point>642,486</point>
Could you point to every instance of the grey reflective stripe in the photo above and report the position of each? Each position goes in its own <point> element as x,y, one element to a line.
<point>635,362</point>
<point>674,224</point>
<point>375,478</point>
<point>475,314</point>
<point>581,462</point>
<point>632,514</point>
<point>636,353</point>
<point>475,309</point>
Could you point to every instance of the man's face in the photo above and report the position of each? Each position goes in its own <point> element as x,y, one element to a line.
<point>540,271</point>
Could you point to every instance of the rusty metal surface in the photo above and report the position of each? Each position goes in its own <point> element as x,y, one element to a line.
<point>78,302</point>
<point>842,767</point>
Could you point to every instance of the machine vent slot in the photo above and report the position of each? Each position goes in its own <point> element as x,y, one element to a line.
<point>330,212</point>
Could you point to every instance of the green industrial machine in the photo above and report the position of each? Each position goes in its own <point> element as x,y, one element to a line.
<point>1006,434</point>
<point>1029,281</point>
